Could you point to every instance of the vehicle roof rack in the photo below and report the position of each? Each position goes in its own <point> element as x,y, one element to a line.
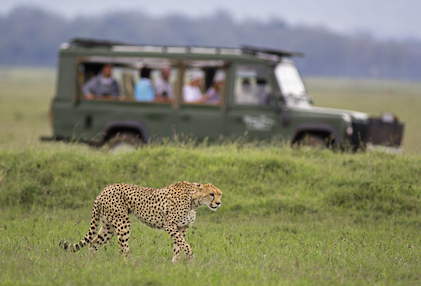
<point>245,49</point>
<point>90,42</point>
<point>255,50</point>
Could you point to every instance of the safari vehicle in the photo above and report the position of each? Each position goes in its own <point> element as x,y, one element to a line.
<point>262,97</point>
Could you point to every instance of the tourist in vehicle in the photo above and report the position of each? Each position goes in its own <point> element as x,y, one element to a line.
<point>163,86</point>
<point>102,84</point>
<point>246,93</point>
<point>213,94</point>
<point>143,91</point>
<point>191,90</point>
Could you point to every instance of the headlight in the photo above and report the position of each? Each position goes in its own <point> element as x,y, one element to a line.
<point>347,118</point>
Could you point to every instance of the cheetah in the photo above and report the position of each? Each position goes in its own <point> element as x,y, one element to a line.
<point>172,209</point>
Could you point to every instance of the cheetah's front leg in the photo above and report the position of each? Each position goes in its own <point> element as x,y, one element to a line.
<point>179,242</point>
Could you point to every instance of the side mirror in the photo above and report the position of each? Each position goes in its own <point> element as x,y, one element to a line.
<point>311,100</point>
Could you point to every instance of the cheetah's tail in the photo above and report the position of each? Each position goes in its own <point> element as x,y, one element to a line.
<point>88,237</point>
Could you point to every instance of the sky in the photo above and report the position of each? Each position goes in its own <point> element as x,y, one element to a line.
<point>385,19</point>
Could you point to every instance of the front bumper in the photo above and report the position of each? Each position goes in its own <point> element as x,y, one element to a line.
<point>377,132</point>
<point>385,133</point>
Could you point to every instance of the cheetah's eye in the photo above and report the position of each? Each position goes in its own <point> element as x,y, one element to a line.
<point>212,195</point>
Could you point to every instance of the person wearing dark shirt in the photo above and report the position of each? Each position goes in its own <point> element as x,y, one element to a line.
<point>102,84</point>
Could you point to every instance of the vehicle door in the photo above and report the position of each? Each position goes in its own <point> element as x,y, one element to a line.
<point>252,110</point>
<point>200,112</point>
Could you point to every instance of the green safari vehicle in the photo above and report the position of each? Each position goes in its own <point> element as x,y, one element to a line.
<point>246,91</point>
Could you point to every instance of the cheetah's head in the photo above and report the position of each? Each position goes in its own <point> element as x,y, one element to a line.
<point>208,195</point>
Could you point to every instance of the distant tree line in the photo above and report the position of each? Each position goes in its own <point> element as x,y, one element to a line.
<point>31,36</point>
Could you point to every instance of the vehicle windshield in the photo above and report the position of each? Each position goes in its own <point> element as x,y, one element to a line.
<point>290,81</point>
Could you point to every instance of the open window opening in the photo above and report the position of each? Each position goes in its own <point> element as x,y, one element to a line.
<point>127,79</point>
<point>204,82</point>
<point>251,86</point>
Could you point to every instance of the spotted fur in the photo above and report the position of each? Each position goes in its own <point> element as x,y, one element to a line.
<point>172,209</point>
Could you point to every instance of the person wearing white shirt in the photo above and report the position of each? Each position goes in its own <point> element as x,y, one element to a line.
<point>191,91</point>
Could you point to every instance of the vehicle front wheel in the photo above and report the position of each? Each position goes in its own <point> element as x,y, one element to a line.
<point>311,140</point>
<point>123,142</point>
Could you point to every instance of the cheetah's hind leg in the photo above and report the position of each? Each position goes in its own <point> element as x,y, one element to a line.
<point>106,232</point>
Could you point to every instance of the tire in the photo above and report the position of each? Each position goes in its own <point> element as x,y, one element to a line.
<point>123,142</point>
<point>313,141</point>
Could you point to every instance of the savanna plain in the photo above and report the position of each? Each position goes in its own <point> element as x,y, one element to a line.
<point>288,217</point>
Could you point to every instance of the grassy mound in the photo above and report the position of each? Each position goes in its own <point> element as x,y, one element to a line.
<point>254,180</point>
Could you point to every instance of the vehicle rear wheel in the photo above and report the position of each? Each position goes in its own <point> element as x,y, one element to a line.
<point>123,142</point>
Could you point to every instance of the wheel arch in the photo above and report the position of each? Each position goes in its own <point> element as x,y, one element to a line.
<point>134,127</point>
<point>321,130</point>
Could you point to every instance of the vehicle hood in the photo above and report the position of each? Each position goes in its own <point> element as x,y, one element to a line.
<point>355,115</point>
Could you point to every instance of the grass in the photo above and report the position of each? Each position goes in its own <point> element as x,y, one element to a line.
<point>280,249</point>
<point>25,96</point>
<point>289,217</point>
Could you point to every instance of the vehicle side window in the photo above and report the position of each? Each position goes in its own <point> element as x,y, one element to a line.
<point>164,83</point>
<point>251,85</point>
<point>127,79</point>
<point>204,83</point>
<point>155,84</point>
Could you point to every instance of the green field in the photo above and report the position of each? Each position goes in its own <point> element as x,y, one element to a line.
<point>288,217</point>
